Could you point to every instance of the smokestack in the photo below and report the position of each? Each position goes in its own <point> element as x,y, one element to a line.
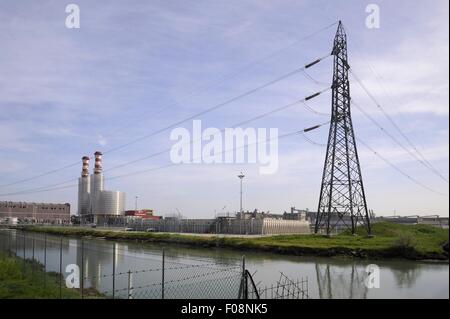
<point>84,188</point>
<point>98,162</point>
<point>85,170</point>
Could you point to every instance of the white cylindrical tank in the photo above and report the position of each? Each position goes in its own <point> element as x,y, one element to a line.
<point>110,203</point>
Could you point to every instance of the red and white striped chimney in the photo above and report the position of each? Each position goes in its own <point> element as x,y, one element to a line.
<point>85,169</point>
<point>98,163</point>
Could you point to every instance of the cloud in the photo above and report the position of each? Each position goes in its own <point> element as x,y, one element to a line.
<point>65,93</point>
<point>101,140</point>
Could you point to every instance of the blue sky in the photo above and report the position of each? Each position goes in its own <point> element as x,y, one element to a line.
<point>137,66</point>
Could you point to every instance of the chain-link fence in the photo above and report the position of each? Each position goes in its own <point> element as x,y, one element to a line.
<point>108,270</point>
<point>103,269</point>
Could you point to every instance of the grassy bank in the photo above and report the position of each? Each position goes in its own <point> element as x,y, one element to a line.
<point>391,241</point>
<point>28,280</point>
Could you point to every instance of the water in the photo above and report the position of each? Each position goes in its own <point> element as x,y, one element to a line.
<point>215,273</point>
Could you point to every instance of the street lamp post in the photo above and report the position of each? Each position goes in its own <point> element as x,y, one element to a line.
<point>241,177</point>
<point>136,204</point>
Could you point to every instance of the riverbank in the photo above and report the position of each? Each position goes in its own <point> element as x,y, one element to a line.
<point>27,279</point>
<point>416,242</point>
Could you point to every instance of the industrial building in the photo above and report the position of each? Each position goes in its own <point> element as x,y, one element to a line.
<point>223,225</point>
<point>143,213</point>
<point>95,204</point>
<point>41,213</point>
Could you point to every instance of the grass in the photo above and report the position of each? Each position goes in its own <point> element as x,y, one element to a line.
<point>390,241</point>
<point>28,280</point>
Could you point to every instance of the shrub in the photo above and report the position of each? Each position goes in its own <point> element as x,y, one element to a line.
<point>405,245</point>
<point>9,269</point>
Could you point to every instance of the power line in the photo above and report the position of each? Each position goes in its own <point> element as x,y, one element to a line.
<point>380,82</point>
<point>213,108</point>
<point>423,160</point>
<point>258,117</point>
<point>390,135</point>
<point>154,168</point>
<point>243,69</point>
<point>303,133</point>
<point>222,152</point>
<point>52,186</point>
<point>41,175</point>
<point>302,69</point>
<point>234,74</point>
<point>400,170</point>
<point>309,140</point>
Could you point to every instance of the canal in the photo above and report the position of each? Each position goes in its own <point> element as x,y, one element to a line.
<point>135,270</point>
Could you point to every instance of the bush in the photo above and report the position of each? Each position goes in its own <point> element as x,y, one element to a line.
<point>406,246</point>
<point>9,269</point>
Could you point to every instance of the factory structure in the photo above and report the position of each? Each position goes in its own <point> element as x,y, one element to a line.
<point>34,213</point>
<point>95,204</point>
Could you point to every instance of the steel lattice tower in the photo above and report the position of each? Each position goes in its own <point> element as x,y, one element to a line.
<point>342,199</point>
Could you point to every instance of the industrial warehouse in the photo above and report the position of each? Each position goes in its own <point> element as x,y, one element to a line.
<point>39,213</point>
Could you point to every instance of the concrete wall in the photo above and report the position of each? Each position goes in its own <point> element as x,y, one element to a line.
<point>276,226</point>
<point>223,226</point>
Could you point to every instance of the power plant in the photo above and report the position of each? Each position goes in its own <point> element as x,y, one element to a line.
<point>94,203</point>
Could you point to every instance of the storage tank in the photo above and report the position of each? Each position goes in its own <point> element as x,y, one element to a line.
<point>110,203</point>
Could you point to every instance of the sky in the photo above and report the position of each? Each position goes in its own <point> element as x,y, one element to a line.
<point>136,67</point>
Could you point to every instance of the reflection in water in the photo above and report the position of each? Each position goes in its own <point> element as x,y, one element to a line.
<point>97,259</point>
<point>406,276</point>
<point>335,282</point>
<point>328,277</point>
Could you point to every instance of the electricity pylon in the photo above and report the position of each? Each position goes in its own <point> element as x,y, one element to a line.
<point>342,198</point>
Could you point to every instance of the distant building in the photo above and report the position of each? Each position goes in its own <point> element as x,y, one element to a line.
<point>434,220</point>
<point>296,214</point>
<point>258,215</point>
<point>143,213</point>
<point>45,213</point>
<point>94,203</point>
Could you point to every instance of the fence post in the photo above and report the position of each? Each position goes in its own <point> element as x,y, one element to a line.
<point>163,270</point>
<point>82,269</point>
<point>129,285</point>
<point>24,254</point>
<point>244,278</point>
<point>60,267</point>
<point>45,260</point>
<point>307,287</point>
<point>114,271</point>
<point>32,259</point>
<point>9,242</point>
